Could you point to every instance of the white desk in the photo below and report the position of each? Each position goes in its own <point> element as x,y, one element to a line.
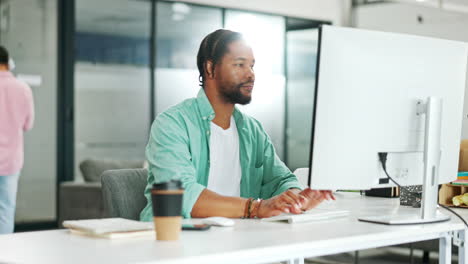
<point>249,241</point>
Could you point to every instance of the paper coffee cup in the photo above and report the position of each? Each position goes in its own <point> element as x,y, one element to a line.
<point>167,209</point>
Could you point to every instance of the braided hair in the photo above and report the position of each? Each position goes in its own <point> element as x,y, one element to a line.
<point>212,48</point>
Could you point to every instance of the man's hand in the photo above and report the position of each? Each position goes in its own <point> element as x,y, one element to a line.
<point>289,201</point>
<point>293,201</point>
<point>314,198</point>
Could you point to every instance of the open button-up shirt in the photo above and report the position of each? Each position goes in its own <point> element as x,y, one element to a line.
<point>178,149</point>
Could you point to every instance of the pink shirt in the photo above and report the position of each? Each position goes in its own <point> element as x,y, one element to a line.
<point>16,116</point>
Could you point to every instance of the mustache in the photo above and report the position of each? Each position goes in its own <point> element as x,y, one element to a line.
<point>249,83</point>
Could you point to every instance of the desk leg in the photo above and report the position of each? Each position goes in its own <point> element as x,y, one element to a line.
<point>445,249</point>
<point>462,249</point>
<point>295,261</point>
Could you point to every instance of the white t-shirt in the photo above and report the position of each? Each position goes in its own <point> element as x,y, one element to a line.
<point>225,169</point>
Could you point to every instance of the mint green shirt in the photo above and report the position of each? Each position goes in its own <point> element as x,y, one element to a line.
<point>178,148</point>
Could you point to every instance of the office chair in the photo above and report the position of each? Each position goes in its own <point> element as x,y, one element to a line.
<point>123,192</point>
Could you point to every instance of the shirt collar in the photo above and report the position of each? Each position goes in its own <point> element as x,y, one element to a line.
<point>6,74</point>
<point>238,116</point>
<point>207,112</point>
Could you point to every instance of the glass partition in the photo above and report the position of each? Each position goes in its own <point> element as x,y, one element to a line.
<point>112,80</point>
<point>301,65</point>
<point>266,34</point>
<point>180,30</point>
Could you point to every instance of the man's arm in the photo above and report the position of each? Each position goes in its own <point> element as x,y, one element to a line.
<point>29,108</point>
<point>210,203</point>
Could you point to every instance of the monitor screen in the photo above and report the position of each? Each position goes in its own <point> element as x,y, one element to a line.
<point>368,85</point>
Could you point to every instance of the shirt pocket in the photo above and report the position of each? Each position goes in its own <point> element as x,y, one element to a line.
<point>256,179</point>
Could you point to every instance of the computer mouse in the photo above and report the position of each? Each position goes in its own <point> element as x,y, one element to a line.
<point>218,221</point>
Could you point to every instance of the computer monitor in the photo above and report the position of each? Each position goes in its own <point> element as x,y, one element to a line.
<point>372,90</point>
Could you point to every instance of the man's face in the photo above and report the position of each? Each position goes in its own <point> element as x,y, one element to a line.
<point>235,75</point>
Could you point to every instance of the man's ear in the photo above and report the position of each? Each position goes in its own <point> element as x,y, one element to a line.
<point>209,69</point>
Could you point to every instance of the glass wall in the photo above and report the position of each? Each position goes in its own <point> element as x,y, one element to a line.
<point>180,30</point>
<point>301,65</point>
<point>266,34</point>
<point>112,51</point>
<point>112,76</point>
<point>112,80</point>
<point>112,93</point>
<point>28,29</point>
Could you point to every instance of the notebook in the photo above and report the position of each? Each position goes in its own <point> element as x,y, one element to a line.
<point>110,227</point>
<point>316,214</point>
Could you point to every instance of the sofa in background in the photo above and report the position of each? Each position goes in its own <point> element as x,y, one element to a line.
<point>83,200</point>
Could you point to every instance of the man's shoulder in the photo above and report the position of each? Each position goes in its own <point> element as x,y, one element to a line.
<point>22,83</point>
<point>17,87</point>
<point>12,81</point>
<point>180,111</point>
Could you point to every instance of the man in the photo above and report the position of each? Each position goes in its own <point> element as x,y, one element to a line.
<point>224,158</point>
<point>16,117</point>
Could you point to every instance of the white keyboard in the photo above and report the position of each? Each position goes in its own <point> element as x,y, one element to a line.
<point>316,214</point>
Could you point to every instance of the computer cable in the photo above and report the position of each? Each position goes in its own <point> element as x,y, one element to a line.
<point>383,161</point>
<point>453,212</point>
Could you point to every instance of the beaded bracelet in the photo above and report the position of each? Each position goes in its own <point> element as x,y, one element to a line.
<point>248,204</point>
<point>250,207</point>
<point>254,211</point>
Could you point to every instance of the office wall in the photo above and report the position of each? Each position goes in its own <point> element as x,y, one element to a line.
<point>336,11</point>
<point>403,18</point>
<point>28,28</point>
<point>418,20</point>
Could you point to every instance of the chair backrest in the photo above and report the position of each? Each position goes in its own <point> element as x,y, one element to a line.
<point>123,192</point>
<point>92,169</point>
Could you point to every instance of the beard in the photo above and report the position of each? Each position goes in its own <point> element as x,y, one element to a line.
<point>233,94</point>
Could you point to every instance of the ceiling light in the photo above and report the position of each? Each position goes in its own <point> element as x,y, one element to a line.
<point>181,8</point>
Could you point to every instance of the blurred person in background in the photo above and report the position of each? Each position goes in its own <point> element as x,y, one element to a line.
<point>16,117</point>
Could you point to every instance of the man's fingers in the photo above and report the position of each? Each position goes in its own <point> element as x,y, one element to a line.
<point>328,195</point>
<point>320,195</point>
<point>294,197</point>
<point>290,201</point>
<point>286,207</point>
<point>310,194</point>
<point>282,206</point>
<point>293,202</point>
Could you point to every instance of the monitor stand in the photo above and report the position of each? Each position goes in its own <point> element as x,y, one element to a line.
<point>430,187</point>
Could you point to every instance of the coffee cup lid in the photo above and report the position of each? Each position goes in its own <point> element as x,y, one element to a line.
<point>169,185</point>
